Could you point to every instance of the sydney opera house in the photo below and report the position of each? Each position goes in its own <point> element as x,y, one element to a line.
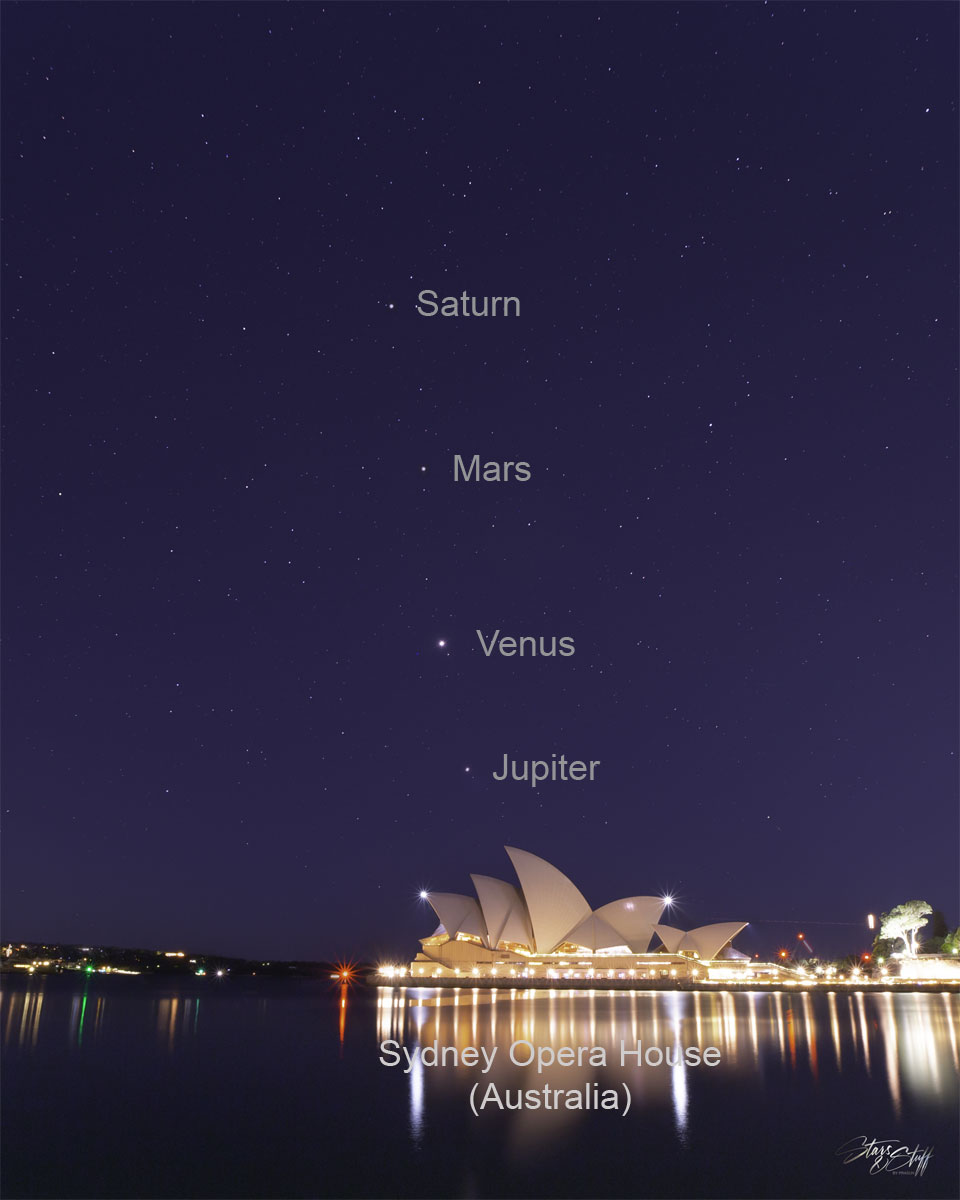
<point>545,929</point>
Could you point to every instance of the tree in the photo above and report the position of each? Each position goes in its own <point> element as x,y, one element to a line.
<point>951,943</point>
<point>938,925</point>
<point>904,921</point>
<point>883,947</point>
<point>933,942</point>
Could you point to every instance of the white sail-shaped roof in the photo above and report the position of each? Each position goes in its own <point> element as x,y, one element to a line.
<point>554,903</point>
<point>707,940</point>
<point>633,918</point>
<point>670,937</point>
<point>458,914</point>
<point>595,933</point>
<point>504,912</point>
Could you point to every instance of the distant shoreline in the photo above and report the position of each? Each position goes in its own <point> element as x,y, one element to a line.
<point>62,958</point>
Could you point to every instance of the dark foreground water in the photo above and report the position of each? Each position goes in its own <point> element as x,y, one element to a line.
<point>236,1088</point>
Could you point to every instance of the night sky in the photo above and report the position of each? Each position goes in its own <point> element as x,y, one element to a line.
<point>233,537</point>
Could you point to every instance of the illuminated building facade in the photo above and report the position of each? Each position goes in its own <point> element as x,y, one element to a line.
<point>545,929</point>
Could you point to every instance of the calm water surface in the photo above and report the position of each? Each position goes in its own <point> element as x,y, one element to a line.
<point>248,1088</point>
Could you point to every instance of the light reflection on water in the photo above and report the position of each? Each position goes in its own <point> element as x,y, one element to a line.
<point>796,1070</point>
<point>906,1043</point>
<point>174,1017</point>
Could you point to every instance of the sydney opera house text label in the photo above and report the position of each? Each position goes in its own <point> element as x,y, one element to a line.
<point>542,1058</point>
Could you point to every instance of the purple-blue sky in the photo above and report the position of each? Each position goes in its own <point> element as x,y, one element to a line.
<point>233,538</point>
